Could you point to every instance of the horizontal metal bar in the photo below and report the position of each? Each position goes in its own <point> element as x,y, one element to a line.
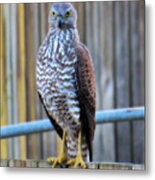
<point>108,116</point>
<point>123,114</point>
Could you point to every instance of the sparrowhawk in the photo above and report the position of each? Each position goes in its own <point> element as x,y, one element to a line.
<point>66,85</point>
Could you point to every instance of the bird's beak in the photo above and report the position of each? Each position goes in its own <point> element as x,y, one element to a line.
<point>59,20</point>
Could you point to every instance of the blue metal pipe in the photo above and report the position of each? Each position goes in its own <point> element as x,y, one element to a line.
<point>117,115</point>
<point>108,116</point>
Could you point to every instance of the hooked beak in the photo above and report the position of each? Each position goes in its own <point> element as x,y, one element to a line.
<point>59,20</point>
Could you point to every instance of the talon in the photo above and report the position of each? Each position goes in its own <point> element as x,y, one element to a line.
<point>78,161</point>
<point>61,158</point>
<point>70,162</point>
<point>57,160</point>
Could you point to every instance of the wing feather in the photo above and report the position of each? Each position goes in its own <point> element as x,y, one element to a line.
<point>86,94</point>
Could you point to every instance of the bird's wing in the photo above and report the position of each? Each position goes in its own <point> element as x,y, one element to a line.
<point>55,125</point>
<point>86,93</point>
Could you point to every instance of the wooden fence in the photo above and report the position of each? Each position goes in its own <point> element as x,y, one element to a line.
<point>114,34</point>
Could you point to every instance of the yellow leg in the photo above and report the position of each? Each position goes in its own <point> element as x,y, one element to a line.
<point>62,157</point>
<point>78,160</point>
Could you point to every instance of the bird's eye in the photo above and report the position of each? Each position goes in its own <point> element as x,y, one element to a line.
<point>68,13</point>
<point>53,13</point>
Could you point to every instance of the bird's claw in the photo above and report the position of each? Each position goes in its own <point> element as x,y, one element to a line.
<point>78,161</point>
<point>57,160</point>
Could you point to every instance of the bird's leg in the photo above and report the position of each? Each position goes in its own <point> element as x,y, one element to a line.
<point>62,157</point>
<point>78,160</point>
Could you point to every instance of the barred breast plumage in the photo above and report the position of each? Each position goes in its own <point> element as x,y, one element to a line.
<point>57,83</point>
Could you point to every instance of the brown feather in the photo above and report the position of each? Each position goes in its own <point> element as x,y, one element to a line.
<point>86,93</point>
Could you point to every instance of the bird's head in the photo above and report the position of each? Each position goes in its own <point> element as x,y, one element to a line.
<point>62,15</point>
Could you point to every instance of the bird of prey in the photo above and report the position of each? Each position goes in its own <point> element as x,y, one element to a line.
<point>66,86</point>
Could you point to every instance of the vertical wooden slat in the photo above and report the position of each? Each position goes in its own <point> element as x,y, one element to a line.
<point>14,71</point>
<point>30,77</point>
<point>9,81</point>
<point>122,78</point>
<point>137,72</point>
<point>104,61</point>
<point>88,26</point>
<point>107,82</point>
<point>45,136</point>
<point>95,41</point>
<point>47,8</point>
<point>36,47</point>
<point>37,101</point>
<point>95,53</point>
<point>99,64</point>
<point>21,76</point>
<point>137,51</point>
<point>3,95</point>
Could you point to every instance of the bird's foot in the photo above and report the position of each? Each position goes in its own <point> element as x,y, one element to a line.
<point>57,160</point>
<point>77,161</point>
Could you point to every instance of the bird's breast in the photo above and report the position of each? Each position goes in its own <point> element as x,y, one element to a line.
<point>58,83</point>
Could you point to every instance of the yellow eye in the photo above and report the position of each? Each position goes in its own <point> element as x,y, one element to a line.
<point>53,13</point>
<point>68,13</point>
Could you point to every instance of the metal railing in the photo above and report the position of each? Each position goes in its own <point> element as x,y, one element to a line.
<point>108,116</point>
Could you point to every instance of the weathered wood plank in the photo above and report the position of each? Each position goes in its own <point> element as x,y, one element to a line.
<point>94,48</point>
<point>93,165</point>
<point>137,73</point>
<point>104,58</point>
<point>122,93</point>
<point>13,42</point>
<point>32,150</point>
<point>9,80</point>
<point>31,164</point>
<point>3,92</point>
<point>21,76</point>
<point>120,166</point>
<point>106,73</point>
